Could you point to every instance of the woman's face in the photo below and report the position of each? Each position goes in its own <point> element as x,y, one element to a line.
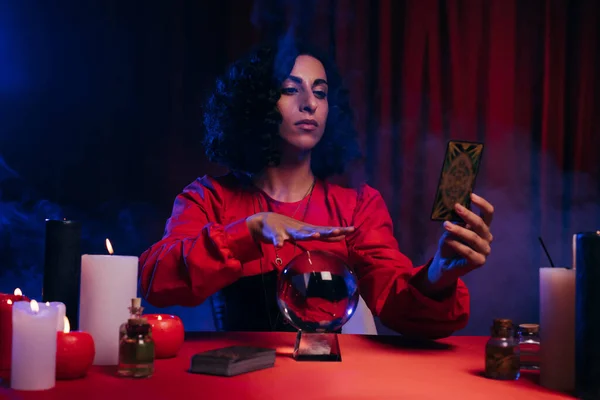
<point>303,104</point>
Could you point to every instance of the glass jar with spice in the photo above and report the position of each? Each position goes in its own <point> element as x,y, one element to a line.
<point>502,354</point>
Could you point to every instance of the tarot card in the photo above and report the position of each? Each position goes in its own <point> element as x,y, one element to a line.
<point>457,179</point>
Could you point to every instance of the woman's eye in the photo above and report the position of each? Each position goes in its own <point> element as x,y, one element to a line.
<point>320,94</point>
<point>290,90</point>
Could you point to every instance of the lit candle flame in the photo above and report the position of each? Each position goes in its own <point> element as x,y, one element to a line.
<point>18,292</point>
<point>159,318</point>
<point>35,307</point>
<point>48,303</point>
<point>109,247</point>
<point>9,301</point>
<point>67,327</point>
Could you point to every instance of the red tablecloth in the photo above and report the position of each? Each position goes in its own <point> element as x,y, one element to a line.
<point>372,367</point>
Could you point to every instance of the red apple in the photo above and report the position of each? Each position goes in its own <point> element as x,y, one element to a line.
<point>168,334</point>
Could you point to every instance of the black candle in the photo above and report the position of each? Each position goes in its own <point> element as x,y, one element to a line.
<point>62,266</point>
<point>586,255</point>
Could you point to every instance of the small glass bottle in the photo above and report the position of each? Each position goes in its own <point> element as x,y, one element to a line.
<point>529,346</point>
<point>136,346</point>
<point>135,312</point>
<point>502,352</point>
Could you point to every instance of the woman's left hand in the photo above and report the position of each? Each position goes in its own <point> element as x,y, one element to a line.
<point>463,248</point>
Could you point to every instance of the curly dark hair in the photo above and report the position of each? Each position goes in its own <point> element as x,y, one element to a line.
<point>242,121</point>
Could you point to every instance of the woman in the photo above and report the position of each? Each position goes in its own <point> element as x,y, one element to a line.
<point>281,121</point>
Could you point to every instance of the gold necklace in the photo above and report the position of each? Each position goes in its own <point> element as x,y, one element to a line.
<point>309,193</point>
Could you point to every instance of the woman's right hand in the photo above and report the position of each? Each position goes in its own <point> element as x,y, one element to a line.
<point>275,229</point>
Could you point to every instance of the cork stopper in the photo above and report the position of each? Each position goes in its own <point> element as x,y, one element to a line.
<point>500,323</point>
<point>529,328</point>
<point>502,327</point>
<point>136,302</point>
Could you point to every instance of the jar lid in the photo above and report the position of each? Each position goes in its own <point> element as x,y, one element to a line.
<point>137,321</point>
<point>502,323</point>
<point>529,328</point>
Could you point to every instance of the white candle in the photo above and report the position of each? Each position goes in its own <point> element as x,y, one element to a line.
<point>557,328</point>
<point>108,283</point>
<point>61,309</point>
<point>33,346</point>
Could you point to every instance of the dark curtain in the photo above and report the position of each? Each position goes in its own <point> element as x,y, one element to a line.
<point>108,104</point>
<point>518,75</point>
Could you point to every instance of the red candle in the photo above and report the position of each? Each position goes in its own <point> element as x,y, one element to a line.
<point>75,353</point>
<point>6,302</point>
<point>167,333</point>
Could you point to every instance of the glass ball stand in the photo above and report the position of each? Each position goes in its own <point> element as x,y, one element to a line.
<point>314,346</point>
<point>317,293</point>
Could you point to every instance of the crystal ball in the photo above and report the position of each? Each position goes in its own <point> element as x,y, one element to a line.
<point>317,292</point>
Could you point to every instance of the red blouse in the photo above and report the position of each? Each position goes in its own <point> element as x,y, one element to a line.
<point>207,246</point>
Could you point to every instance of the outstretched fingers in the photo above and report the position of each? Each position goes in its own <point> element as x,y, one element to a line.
<point>333,231</point>
<point>322,233</point>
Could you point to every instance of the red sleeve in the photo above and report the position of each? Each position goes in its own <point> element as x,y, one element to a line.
<point>196,256</point>
<point>385,277</point>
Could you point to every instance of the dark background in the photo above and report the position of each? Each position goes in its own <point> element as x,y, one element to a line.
<point>101,104</point>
